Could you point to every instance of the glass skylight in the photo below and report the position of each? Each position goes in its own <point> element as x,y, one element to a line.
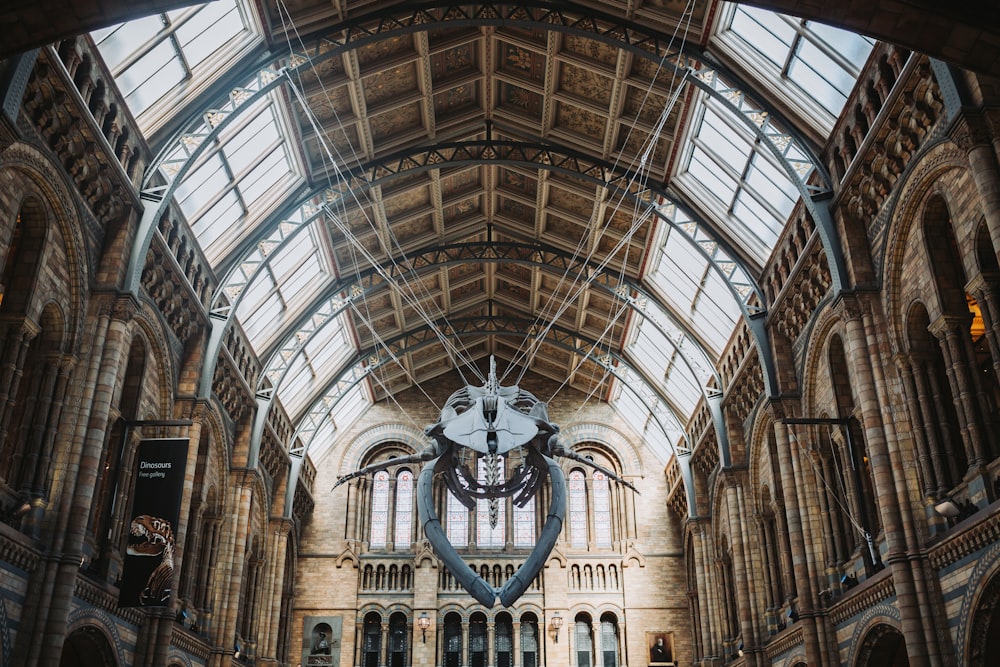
<point>165,56</point>
<point>234,186</point>
<point>820,62</point>
<point>736,179</point>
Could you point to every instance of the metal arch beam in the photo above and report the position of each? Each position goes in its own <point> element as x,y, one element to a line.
<point>285,227</point>
<point>688,62</point>
<point>375,357</point>
<point>532,255</point>
<point>357,370</point>
<point>536,155</point>
<point>432,259</point>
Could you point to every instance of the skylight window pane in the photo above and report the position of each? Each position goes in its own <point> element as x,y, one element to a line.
<point>151,77</point>
<point>252,141</point>
<point>219,219</point>
<point>265,176</point>
<point>213,26</point>
<point>765,31</point>
<point>201,186</point>
<point>707,172</point>
<point>118,43</point>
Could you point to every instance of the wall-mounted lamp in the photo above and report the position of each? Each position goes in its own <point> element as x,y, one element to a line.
<point>948,508</point>
<point>423,623</point>
<point>555,624</point>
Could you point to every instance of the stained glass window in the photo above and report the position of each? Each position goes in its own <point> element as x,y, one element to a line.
<point>397,640</point>
<point>578,509</point>
<point>380,511</point>
<point>404,509</point>
<point>457,522</point>
<point>491,519</point>
<point>602,510</point>
<point>524,524</point>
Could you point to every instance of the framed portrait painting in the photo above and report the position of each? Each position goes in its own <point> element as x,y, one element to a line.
<point>660,646</point>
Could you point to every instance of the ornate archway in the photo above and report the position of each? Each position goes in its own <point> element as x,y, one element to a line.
<point>883,646</point>
<point>984,632</point>
<point>87,646</point>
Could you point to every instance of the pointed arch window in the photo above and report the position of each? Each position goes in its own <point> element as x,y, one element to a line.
<point>584,642</point>
<point>504,644</point>
<point>458,522</point>
<point>602,510</point>
<point>578,509</point>
<point>404,509</point>
<point>609,640</point>
<point>380,510</point>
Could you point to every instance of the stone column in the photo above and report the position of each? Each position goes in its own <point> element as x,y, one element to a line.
<point>797,540</point>
<point>972,134</point>
<point>860,350</point>
<point>66,548</point>
<point>949,332</point>
<point>924,433</point>
<point>515,649</point>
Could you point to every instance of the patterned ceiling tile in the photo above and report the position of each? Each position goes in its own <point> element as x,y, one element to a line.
<point>515,209</point>
<point>459,271</point>
<point>396,121</point>
<point>585,83</point>
<point>384,48</point>
<point>462,209</point>
<point>417,228</point>
<point>631,144</point>
<point>332,104</point>
<point>676,9</point>
<point>457,182</point>
<point>518,182</point>
<point>347,255</point>
<point>474,288</point>
<point>521,62</point>
<point>646,105</point>
<point>519,100</point>
<point>407,201</point>
<point>389,84</point>
<point>515,271</point>
<point>571,202</point>
<point>590,49</point>
<point>562,228</point>
<point>456,61</point>
<point>579,121</point>
<point>463,97</point>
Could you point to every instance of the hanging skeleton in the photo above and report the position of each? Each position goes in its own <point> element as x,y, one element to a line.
<point>491,423</point>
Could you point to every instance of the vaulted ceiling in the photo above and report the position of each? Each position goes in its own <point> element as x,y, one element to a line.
<point>393,191</point>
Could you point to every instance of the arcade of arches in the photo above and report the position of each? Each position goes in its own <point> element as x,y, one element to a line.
<point>783,329</point>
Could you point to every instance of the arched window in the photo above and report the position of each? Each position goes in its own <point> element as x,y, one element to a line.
<point>529,640</point>
<point>404,509</point>
<point>372,645</point>
<point>477,640</point>
<point>578,509</point>
<point>491,514</point>
<point>380,511</point>
<point>609,640</point>
<point>457,522</point>
<point>452,640</point>
<point>524,524</point>
<point>602,510</point>
<point>504,641</point>
<point>584,642</point>
<point>397,640</point>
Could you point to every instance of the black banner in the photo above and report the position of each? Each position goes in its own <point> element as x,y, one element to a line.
<point>156,505</point>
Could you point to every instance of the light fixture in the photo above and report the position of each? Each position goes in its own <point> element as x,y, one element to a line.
<point>739,649</point>
<point>556,623</point>
<point>236,649</point>
<point>423,623</point>
<point>948,508</point>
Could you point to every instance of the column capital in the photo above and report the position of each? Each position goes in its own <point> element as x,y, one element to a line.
<point>970,131</point>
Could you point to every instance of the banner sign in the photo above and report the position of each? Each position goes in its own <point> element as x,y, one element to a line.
<point>156,506</point>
